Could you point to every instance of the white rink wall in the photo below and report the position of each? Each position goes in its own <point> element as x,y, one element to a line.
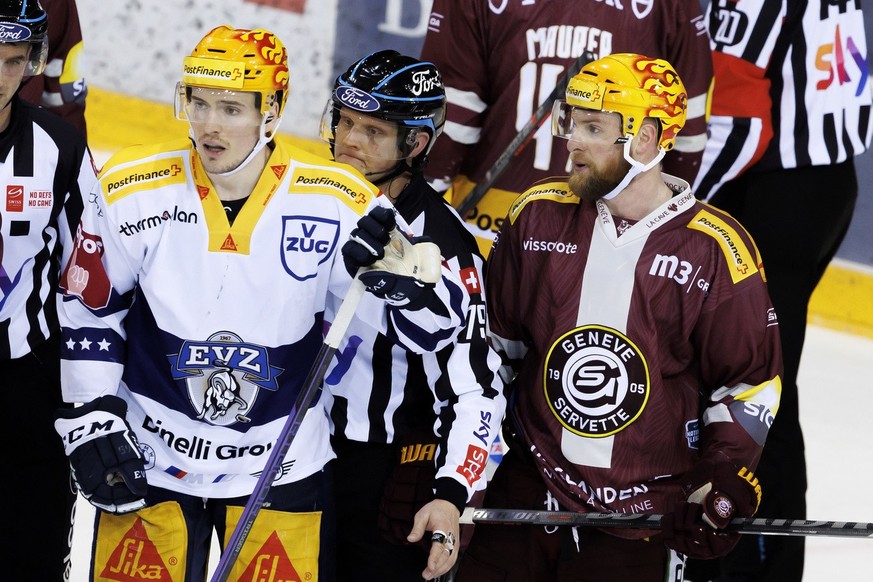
<point>136,47</point>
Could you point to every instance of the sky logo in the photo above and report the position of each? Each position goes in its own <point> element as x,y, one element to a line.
<point>831,58</point>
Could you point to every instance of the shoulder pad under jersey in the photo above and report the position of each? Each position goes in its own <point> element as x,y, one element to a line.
<point>555,190</point>
<point>313,174</point>
<point>743,262</point>
<point>144,167</point>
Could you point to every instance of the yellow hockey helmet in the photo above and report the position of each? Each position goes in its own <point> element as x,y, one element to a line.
<point>635,87</point>
<point>236,59</point>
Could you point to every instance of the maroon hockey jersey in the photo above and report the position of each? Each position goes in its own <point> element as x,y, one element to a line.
<point>633,355</point>
<point>61,88</point>
<point>500,59</point>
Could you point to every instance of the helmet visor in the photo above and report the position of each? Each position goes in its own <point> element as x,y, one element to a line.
<point>367,135</point>
<point>569,122</point>
<point>221,107</point>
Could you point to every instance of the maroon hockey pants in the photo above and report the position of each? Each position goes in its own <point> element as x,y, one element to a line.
<point>522,553</point>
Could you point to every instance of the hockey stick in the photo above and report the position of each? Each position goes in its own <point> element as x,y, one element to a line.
<point>780,527</point>
<point>523,137</point>
<point>286,436</point>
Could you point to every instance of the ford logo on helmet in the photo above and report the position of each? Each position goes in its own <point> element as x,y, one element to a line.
<point>12,32</point>
<point>356,99</point>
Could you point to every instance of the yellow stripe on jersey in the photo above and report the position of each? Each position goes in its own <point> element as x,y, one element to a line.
<point>117,181</point>
<point>336,180</point>
<point>556,191</point>
<point>741,261</point>
<point>768,393</point>
<point>224,238</point>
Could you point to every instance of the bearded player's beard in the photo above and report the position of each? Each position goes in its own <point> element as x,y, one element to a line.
<point>598,182</point>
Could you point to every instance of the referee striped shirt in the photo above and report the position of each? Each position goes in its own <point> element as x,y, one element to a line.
<point>380,392</point>
<point>792,87</point>
<point>46,167</point>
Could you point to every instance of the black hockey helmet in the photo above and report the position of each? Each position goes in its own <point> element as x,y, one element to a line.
<point>395,88</point>
<point>26,21</point>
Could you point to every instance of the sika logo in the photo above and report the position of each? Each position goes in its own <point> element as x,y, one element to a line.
<point>14,198</point>
<point>135,558</point>
<point>272,564</point>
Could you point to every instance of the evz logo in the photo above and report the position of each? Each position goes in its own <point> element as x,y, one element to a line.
<point>224,375</point>
<point>307,242</point>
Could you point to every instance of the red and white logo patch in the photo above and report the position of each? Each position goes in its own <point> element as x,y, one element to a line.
<point>474,464</point>
<point>471,280</point>
<point>14,198</point>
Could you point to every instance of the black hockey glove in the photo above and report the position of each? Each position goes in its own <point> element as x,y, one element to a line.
<point>397,269</point>
<point>714,493</point>
<point>107,465</point>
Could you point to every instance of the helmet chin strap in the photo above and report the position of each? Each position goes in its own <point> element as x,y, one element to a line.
<point>399,169</point>
<point>635,169</point>
<point>263,140</point>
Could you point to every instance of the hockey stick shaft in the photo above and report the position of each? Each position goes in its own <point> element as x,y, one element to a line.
<point>523,137</point>
<point>289,430</point>
<point>781,527</point>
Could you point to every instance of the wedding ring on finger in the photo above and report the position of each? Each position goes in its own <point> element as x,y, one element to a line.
<point>446,539</point>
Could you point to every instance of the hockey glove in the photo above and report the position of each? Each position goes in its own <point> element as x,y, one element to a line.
<point>400,270</point>
<point>107,465</point>
<point>714,493</point>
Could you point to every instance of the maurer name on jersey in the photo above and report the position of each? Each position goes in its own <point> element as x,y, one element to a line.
<point>567,42</point>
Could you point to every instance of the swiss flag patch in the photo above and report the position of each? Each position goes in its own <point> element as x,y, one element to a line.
<point>471,280</point>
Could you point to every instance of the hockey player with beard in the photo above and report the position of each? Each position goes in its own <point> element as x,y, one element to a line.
<point>501,58</point>
<point>411,432</point>
<point>640,345</point>
<point>204,276</point>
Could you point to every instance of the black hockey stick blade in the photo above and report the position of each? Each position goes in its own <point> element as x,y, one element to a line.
<point>780,527</point>
<point>523,137</point>
<point>289,430</point>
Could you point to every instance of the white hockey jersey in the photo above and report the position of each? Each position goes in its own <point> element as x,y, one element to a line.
<point>207,329</point>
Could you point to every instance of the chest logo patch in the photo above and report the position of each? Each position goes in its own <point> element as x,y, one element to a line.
<point>596,381</point>
<point>307,242</point>
<point>224,375</point>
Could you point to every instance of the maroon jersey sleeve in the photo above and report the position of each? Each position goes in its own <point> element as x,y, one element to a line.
<point>740,360</point>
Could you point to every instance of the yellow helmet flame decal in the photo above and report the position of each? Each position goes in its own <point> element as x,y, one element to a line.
<point>635,87</point>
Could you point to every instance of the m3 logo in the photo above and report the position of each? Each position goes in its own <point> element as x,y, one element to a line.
<point>678,270</point>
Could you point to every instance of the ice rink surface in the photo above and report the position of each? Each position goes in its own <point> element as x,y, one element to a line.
<point>836,408</point>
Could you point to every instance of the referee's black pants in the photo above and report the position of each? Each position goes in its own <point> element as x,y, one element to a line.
<point>798,218</point>
<point>362,472</point>
<point>39,496</point>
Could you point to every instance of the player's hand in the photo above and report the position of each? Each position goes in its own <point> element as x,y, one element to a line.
<point>714,493</point>
<point>440,517</point>
<point>106,462</point>
<point>397,269</point>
